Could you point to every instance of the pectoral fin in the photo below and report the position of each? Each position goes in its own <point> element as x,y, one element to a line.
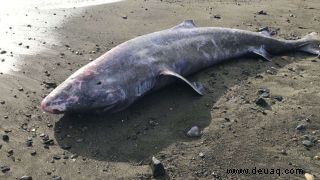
<point>262,52</point>
<point>195,86</point>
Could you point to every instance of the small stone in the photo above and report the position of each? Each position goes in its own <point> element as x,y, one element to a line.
<point>194,132</point>
<point>307,143</point>
<point>4,168</point>
<point>301,126</point>
<point>33,153</point>
<point>278,98</point>
<point>26,178</point>
<point>79,140</point>
<point>73,156</point>
<point>262,12</point>
<point>125,17</point>
<point>55,177</point>
<point>29,142</point>
<point>2,102</point>
<point>5,137</point>
<point>56,157</point>
<point>316,157</point>
<point>261,102</point>
<point>284,152</point>
<point>157,168</point>
<point>201,154</point>
<point>217,16</point>
<point>308,176</point>
<point>3,52</point>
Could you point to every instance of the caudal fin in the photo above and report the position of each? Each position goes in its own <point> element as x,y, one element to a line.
<point>311,44</point>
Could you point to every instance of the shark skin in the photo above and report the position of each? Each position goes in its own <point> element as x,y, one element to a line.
<point>130,70</point>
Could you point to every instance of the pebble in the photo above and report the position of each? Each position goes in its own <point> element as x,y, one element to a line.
<point>125,17</point>
<point>308,176</point>
<point>264,92</point>
<point>33,153</point>
<point>194,132</point>
<point>56,157</point>
<point>5,137</point>
<point>2,102</point>
<point>3,52</point>
<point>307,143</point>
<point>261,102</point>
<point>157,167</point>
<point>301,126</point>
<point>201,154</point>
<point>217,16</point>
<point>55,177</point>
<point>26,178</point>
<point>4,168</point>
<point>262,12</point>
<point>29,142</point>
<point>278,98</point>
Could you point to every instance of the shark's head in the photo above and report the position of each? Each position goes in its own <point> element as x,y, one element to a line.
<point>84,91</point>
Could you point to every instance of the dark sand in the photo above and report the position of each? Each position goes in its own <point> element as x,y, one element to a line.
<point>236,132</point>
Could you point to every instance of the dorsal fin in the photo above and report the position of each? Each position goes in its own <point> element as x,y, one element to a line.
<point>185,24</point>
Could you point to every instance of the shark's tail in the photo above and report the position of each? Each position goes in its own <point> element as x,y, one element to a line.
<point>311,44</point>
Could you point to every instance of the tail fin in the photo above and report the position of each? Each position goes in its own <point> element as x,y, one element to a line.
<point>311,44</point>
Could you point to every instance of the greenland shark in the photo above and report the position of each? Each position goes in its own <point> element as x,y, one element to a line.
<point>130,70</point>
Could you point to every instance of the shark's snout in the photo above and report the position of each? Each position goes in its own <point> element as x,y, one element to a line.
<point>45,106</point>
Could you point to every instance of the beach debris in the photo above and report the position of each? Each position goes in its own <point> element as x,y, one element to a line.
<point>157,167</point>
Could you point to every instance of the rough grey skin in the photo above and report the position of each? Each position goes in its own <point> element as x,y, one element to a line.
<point>130,70</point>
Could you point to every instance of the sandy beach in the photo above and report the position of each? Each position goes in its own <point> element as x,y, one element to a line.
<point>42,44</point>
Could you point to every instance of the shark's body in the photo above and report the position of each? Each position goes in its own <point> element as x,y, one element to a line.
<point>130,70</point>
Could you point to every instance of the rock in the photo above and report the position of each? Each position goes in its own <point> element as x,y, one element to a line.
<point>262,12</point>
<point>26,178</point>
<point>29,142</point>
<point>2,102</point>
<point>125,17</point>
<point>5,137</point>
<point>284,152</point>
<point>217,16</point>
<point>33,153</point>
<point>194,132</point>
<point>261,102</point>
<point>308,176</point>
<point>201,154</point>
<point>264,92</point>
<point>278,98</point>
<point>157,167</point>
<point>4,168</point>
<point>301,126</point>
<point>3,52</point>
<point>55,177</point>
<point>56,157</point>
<point>307,143</point>
<point>73,156</point>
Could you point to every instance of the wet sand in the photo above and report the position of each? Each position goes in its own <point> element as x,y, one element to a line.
<point>236,132</point>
